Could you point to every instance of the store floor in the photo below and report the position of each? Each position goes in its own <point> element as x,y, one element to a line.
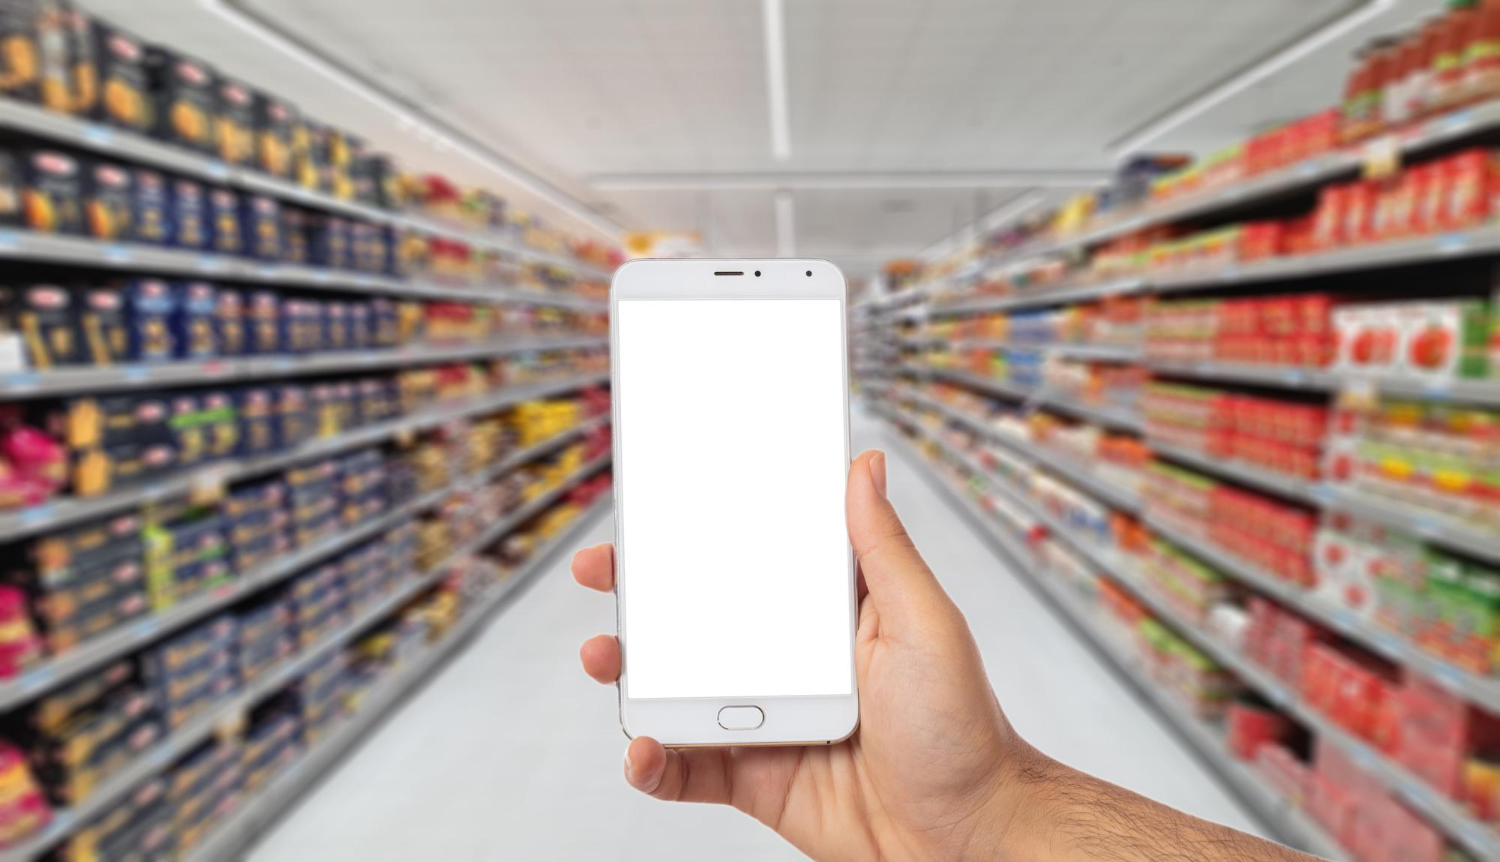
<point>511,753</point>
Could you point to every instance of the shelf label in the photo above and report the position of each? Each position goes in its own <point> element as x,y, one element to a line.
<point>1358,394</point>
<point>147,627</point>
<point>8,239</point>
<point>1382,157</point>
<point>116,253</point>
<point>1452,243</point>
<point>97,134</point>
<point>37,515</point>
<point>20,381</point>
<point>37,679</point>
<point>135,374</point>
<point>209,486</point>
<point>210,263</point>
<point>216,168</point>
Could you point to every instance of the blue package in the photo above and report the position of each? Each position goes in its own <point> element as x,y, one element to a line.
<point>263,314</point>
<point>257,417</point>
<point>260,220</point>
<point>189,215</point>
<point>360,328</point>
<point>301,325</point>
<point>224,221</point>
<point>229,319</point>
<point>336,326</point>
<point>328,243</point>
<point>153,216</point>
<point>195,325</point>
<point>294,416</point>
<point>151,305</point>
<point>385,325</point>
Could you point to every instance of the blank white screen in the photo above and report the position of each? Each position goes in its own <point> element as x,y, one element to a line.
<point>735,557</point>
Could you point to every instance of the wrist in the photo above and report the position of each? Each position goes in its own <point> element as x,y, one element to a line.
<point>1003,821</point>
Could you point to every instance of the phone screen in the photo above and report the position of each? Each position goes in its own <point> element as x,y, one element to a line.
<point>733,458</point>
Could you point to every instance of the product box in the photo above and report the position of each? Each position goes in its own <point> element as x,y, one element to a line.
<point>294,416</point>
<point>274,122</point>
<point>294,235</point>
<point>263,316</point>
<point>257,415</point>
<point>42,315</point>
<point>1443,339</point>
<point>360,332</point>
<point>187,432</point>
<point>152,307</point>
<point>262,225</point>
<point>328,241</point>
<point>190,214</point>
<point>302,326</point>
<point>103,325</point>
<point>52,192</point>
<point>195,323</point>
<point>1368,339</point>
<point>56,558</point>
<point>219,417</point>
<point>152,208</point>
<point>235,122</point>
<point>109,201</point>
<point>186,98</point>
<point>34,65</point>
<point>377,181</point>
<point>224,219</point>
<point>124,86</point>
<point>336,334</point>
<point>229,322</point>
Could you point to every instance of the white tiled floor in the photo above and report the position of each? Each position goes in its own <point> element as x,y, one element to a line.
<point>511,753</point>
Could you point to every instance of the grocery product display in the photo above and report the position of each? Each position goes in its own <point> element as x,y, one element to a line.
<point>282,425</point>
<point>1239,417</point>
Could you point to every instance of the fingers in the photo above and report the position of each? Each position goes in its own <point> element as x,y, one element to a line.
<point>600,655</point>
<point>595,567</point>
<point>895,574</point>
<point>693,775</point>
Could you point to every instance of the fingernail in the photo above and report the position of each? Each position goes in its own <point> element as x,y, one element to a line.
<point>877,472</point>
<point>629,768</point>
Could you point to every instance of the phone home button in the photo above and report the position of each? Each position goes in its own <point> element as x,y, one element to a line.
<point>741,717</point>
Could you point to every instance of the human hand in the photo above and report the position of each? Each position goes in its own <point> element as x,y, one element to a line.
<point>924,775</point>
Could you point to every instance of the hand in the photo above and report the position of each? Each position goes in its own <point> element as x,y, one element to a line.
<point>925,774</point>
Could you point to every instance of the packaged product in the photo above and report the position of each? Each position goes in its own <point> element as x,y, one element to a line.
<point>335,326</point>
<point>195,324</point>
<point>377,181</point>
<point>1369,338</point>
<point>224,219</point>
<point>235,122</point>
<point>229,322</point>
<point>10,190</point>
<point>152,208</point>
<point>264,323</point>
<point>34,53</point>
<point>124,85</point>
<point>42,315</point>
<point>103,325</point>
<point>1443,340</point>
<point>190,219</point>
<point>257,415</point>
<point>262,226</point>
<point>293,235</point>
<point>307,170</point>
<point>1473,178</point>
<point>109,201</point>
<point>294,416</point>
<point>152,307</point>
<point>274,122</point>
<point>328,241</point>
<point>52,192</point>
<point>186,98</point>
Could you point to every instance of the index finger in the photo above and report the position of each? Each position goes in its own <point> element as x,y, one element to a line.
<point>595,567</point>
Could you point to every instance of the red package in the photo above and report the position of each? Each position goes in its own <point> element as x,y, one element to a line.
<point>1251,727</point>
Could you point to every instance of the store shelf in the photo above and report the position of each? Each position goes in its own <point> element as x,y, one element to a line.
<point>211,372</point>
<point>1089,352</point>
<point>249,821</point>
<point>1039,297</point>
<point>62,512</point>
<point>1483,392</point>
<point>1264,480</point>
<point>1443,812</point>
<point>184,739</point>
<point>55,671</point>
<point>1112,418</point>
<point>139,149</point>
<point>1295,179</point>
<point>1286,821</point>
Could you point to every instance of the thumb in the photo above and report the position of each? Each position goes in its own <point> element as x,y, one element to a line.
<point>899,581</point>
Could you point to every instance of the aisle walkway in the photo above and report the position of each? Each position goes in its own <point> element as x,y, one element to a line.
<point>511,753</point>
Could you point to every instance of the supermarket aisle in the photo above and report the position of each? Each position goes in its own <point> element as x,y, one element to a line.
<point>513,754</point>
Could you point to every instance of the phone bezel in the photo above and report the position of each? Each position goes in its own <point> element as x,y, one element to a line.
<point>687,722</point>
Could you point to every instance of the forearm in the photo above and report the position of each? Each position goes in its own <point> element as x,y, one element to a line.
<point>1049,812</point>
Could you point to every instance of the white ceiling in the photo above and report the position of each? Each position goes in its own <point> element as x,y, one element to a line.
<point>571,89</point>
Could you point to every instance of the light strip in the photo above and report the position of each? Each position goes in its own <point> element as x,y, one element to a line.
<point>786,230</point>
<point>776,94</point>
<point>849,180</point>
<point>1135,141</point>
<point>1006,213</point>
<point>406,119</point>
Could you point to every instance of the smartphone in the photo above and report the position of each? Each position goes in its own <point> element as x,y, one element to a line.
<point>734,577</point>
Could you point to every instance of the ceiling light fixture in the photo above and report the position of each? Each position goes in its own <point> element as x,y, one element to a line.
<point>1133,143</point>
<point>786,231</point>
<point>776,94</point>
<point>407,120</point>
<point>850,180</point>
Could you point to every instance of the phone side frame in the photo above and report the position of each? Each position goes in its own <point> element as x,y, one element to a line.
<point>658,279</point>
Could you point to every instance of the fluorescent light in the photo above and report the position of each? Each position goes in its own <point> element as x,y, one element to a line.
<point>781,135</point>
<point>786,231</point>
<point>409,121</point>
<point>849,180</point>
<point>1312,42</point>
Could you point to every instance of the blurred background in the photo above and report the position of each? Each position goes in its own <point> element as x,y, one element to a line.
<point>1176,318</point>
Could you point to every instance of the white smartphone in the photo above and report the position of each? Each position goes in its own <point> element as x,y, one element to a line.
<point>735,581</point>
